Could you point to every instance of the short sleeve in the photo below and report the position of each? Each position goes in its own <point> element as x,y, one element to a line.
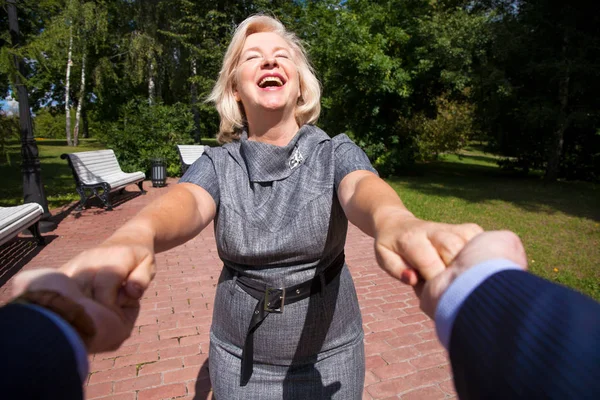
<point>203,173</point>
<point>349,158</point>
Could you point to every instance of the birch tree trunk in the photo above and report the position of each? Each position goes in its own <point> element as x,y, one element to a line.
<point>151,84</point>
<point>79,102</point>
<point>67,88</point>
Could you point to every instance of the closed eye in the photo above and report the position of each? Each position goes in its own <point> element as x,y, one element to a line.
<point>250,55</point>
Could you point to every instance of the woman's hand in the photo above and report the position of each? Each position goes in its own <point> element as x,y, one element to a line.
<point>408,248</point>
<point>113,273</point>
<point>112,324</point>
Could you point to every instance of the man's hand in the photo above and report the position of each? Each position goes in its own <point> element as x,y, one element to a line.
<point>483,247</point>
<point>113,324</point>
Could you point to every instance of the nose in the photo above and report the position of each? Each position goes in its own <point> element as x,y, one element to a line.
<point>269,62</point>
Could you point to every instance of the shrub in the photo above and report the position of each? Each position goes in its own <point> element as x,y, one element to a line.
<point>448,132</point>
<point>419,138</point>
<point>144,132</point>
<point>9,130</point>
<point>50,124</point>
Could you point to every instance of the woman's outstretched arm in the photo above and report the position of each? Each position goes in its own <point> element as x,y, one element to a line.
<point>121,267</point>
<point>405,246</point>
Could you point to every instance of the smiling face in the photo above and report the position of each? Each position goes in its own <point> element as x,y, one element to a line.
<point>266,76</point>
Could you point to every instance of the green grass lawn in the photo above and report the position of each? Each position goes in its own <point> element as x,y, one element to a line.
<point>56,175</point>
<point>559,223</point>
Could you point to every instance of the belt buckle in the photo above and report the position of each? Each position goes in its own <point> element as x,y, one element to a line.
<point>274,300</point>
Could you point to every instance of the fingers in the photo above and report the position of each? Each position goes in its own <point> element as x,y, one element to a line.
<point>481,248</point>
<point>103,272</point>
<point>107,283</point>
<point>23,280</point>
<point>45,279</point>
<point>394,265</point>
<point>449,239</point>
<point>113,326</point>
<point>421,249</point>
<point>448,244</point>
<point>412,257</point>
<point>139,279</point>
<point>424,257</point>
<point>466,231</point>
<point>95,279</point>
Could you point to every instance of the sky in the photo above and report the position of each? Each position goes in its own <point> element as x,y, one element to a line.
<point>9,105</point>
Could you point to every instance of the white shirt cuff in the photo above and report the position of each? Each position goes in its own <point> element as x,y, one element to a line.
<point>77,344</point>
<point>460,289</point>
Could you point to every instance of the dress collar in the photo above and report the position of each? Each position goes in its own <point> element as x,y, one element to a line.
<point>266,162</point>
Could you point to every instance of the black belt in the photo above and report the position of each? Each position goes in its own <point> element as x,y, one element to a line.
<point>273,300</point>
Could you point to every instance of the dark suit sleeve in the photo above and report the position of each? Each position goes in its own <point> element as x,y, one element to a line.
<point>520,336</point>
<point>38,362</point>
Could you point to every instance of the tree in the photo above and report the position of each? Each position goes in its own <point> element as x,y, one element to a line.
<point>537,94</point>
<point>33,189</point>
<point>384,63</point>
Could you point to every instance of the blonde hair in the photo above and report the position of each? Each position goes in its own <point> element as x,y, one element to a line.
<point>231,112</point>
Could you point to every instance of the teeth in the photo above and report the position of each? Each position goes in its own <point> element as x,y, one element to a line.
<point>270,79</point>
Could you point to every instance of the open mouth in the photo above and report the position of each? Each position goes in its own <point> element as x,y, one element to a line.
<point>271,81</point>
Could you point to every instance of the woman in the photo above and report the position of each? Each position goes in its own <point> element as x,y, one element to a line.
<point>286,318</point>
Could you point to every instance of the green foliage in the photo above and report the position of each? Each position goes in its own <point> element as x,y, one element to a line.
<point>383,66</point>
<point>143,132</point>
<point>48,123</point>
<point>393,159</point>
<point>448,132</point>
<point>536,93</point>
<point>525,71</point>
<point>9,131</point>
<point>449,45</point>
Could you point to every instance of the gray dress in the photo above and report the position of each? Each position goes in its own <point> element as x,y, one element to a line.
<point>278,221</point>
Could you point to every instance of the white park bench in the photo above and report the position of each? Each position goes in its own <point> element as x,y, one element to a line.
<point>98,172</point>
<point>14,219</point>
<point>188,154</point>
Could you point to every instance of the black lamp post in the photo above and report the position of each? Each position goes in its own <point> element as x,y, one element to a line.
<point>33,190</point>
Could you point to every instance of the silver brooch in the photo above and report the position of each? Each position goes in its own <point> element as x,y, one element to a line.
<point>296,159</point>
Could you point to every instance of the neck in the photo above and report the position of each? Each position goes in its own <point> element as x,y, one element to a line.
<point>272,129</point>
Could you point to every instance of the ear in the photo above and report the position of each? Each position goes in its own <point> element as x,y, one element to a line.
<point>236,95</point>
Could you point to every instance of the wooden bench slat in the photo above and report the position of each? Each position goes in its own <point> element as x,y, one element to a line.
<point>189,153</point>
<point>14,219</point>
<point>99,170</point>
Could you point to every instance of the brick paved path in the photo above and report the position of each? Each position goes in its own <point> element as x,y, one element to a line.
<point>167,354</point>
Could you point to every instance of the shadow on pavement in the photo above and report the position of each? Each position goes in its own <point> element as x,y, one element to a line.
<point>15,254</point>
<point>203,387</point>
